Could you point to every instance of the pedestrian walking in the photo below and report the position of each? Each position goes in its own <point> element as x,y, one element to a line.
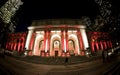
<point>66,60</point>
<point>105,55</point>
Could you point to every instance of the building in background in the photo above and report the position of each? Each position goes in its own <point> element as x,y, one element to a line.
<point>58,37</point>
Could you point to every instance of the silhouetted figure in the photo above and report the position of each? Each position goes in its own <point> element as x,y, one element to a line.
<point>2,53</point>
<point>105,55</point>
<point>66,60</point>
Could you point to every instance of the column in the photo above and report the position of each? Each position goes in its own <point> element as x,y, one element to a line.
<point>63,43</point>
<point>64,33</point>
<point>31,41</point>
<point>105,45</point>
<point>30,32</point>
<point>46,41</point>
<point>80,42</point>
<point>18,47</point>
<point>97,45</point>
<point>12,45</point>
<point>35,50</point>
<point>66,37</point>
<point>62,36</point>
<point>101,46</point>
<point>84,38</point>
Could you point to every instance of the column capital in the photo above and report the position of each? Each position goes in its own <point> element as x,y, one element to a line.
<point>31,28</point>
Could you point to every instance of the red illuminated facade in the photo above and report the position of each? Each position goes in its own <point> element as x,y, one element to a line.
<point>58,38</point>
<point>16,41</point>
<point>99,41</point>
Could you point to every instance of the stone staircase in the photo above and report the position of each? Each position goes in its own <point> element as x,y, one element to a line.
<point>57,60</point>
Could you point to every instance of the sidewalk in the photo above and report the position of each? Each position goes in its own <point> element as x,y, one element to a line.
<point>94,67</point>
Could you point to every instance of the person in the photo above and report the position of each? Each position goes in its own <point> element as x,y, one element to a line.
<point>66,60</point>
<point>2,53</point>
<point>105,55</point>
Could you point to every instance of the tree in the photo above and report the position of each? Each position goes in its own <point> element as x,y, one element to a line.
<point>7,12</point>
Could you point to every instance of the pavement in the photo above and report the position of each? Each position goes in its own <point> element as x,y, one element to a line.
<point>22,66</point>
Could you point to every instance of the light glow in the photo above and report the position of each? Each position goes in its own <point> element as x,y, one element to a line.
<point>56,31</point>
<point>72,31</point>
<point>55,35</point>
<point>46,45</point>
<point>28,39</point>
<point>65,44</point>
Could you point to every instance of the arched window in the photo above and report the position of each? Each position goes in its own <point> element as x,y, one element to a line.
<point>56,44</point>
<point>71,45</point>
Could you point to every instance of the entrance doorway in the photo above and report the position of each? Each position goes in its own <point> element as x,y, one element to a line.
<point>56,53</point>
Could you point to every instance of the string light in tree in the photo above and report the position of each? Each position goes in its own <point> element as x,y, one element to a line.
<point>105,9</point>
<point>8,10</point>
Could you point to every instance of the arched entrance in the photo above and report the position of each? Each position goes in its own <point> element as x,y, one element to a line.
<point>73,45</point>
<point>56,46</point>
<point>39,45</point>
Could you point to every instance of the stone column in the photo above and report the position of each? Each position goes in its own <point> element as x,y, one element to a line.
<point>84,38</point>
<point>46,41</point>
<point>35,50</point>
<point>48,53</point>
<point>63,46</point>
<point>81,46</point>
<point>64,34</point>
<point>30,32</point>
<point>62,39</point>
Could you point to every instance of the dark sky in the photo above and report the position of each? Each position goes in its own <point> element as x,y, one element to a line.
<point>37,9</point>
<point>45,9</point>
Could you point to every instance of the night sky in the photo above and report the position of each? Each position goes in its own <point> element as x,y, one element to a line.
<point>39,9</point>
